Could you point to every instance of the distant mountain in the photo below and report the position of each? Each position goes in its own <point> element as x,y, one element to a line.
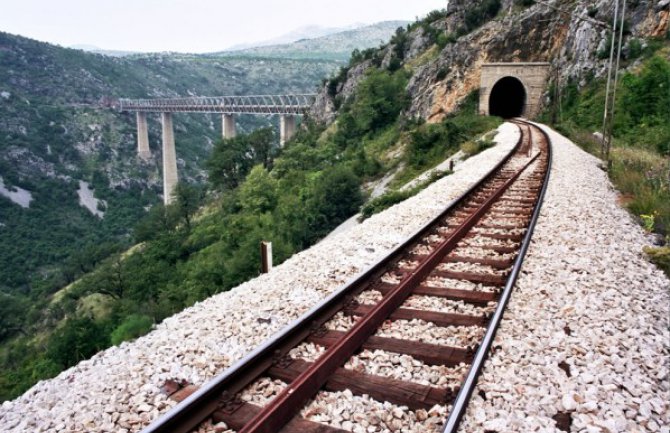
<point>306,32</point>
<point>333,46</point>
<point>98,50</point>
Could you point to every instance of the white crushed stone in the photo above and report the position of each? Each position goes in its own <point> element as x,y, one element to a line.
<point>111,391</point>
<point>88,200</point>
<point>20,196</point>
<point>427,332</point>
<point>406,368</point>
<point>585,270</point>
<point>362,414</point>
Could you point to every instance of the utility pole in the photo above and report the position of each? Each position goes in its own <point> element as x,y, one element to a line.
<point>610,102</point>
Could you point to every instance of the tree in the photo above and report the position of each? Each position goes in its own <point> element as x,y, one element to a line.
<point>232,158</point>
<point>12,311</point>
<point>186,201</point>
<point>155,222</point>
<point>258,193</point>
<point>337,196</point>
<point>78,339</point>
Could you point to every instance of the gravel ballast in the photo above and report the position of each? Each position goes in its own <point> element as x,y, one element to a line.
<point>585,335</point>
<point>118,390</point>
<point>584,340</point>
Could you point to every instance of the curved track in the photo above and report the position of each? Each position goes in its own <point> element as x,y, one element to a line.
<point>436,300</point>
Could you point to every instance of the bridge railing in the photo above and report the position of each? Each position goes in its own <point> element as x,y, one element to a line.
<point>253,104</point>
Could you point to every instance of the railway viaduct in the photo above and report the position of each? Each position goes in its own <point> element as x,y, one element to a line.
<point>286,106</point>
<point>512,89</point>
<point>506,90</point>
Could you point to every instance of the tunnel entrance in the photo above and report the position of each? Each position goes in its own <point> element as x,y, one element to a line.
<point>508,98</point>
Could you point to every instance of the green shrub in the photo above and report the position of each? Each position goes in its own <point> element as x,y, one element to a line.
<point>661,257</point>
<point>385,201</point>
<point>132,327</point>
<point>443,39</point>
<point>392,197</point>
<point>478,15</point>
<point>639,154</point>
<point>78,339</point>
<point>470,148</point>
<point>379,99</point>
<point>634,49</point>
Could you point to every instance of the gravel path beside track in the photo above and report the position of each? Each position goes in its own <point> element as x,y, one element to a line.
<point>586,331</point>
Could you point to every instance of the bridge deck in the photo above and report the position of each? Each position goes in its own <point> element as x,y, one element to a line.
<point>258,104</point>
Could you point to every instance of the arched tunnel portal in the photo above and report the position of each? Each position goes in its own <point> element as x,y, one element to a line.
<point>508,98</point>
<point>512,89</point>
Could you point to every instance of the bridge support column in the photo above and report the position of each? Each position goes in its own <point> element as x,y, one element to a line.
<point>142,136</point>
<point>169,158</point>
<point>286,128</point>
<point>229,130</point>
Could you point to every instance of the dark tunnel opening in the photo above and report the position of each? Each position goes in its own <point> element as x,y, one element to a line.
<point>508,98</point>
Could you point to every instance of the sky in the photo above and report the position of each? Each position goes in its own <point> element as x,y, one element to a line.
<point>190,25</point>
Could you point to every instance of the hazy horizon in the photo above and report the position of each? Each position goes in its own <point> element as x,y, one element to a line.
<point>198,26</point>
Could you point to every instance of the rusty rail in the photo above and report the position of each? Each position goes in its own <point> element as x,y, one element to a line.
<point>308,378</point>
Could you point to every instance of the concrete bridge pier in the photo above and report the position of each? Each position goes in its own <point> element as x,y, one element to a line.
<point>142,136</point>
<point>169,158</point>
<point>229,130</point>
<point>286,128</point>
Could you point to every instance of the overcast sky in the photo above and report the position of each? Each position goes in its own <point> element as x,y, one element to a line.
<point>190,25</point>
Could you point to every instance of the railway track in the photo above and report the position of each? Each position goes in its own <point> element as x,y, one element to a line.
<point>411,333</point>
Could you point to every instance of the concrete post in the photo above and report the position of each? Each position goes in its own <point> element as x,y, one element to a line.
<point>169,158</point>
<point>142,136</point>
<point>266,257</point>
<point>228,129</point>
<point>286,128</point>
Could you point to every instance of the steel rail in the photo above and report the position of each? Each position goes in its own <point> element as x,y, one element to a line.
<point>289,401</point>
<point>187,414</point>
<point>468,386</point>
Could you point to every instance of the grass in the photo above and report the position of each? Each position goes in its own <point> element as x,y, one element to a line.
<point>640,174</point>
<point>471,148</point>
<point>639,165</point>
<point>660,257</point>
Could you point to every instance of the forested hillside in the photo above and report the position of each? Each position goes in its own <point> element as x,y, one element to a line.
<point>58,128</point>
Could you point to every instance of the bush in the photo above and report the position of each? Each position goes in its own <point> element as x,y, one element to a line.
<point>443,39</point>
<point>385,201</point>
<point>380,98</point>
<point>639,155</point>
<point>478,15</point>
<point>390,198</point>
<point>634,49</point>
<point>132,327</point>
<point>661,257</point>
<point>78,339</point>
<point>471,148</point>
<point>337,195</point>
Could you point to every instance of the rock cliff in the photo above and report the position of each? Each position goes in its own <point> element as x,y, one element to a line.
<point>445,51</point>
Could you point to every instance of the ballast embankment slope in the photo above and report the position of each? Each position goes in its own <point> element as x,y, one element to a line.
<point>119,389</point>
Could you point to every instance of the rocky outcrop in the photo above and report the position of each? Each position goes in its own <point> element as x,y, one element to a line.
<point>567,35</point>
<point>323,110</point>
